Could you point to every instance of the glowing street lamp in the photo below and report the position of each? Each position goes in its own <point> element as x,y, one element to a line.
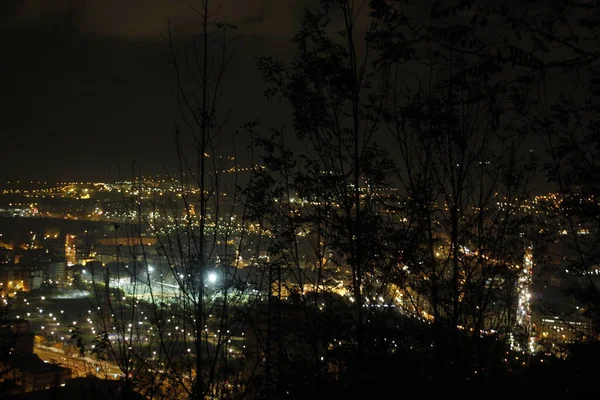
<point>213,277</point>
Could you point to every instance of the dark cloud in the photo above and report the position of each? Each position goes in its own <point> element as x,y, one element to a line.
<point>145,19</point>
<point>87,85</point>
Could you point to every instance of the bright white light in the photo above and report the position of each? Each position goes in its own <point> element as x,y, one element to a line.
<point>150,268</point>
<point>212,277</point>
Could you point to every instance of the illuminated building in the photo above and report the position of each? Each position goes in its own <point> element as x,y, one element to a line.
<point>70,250</point>
<point>57,272</point>
<point>13,278</point>
<point>556,329</point>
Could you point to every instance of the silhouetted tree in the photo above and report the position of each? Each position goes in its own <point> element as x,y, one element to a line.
<point>336,98</point>
<point>177,329</point>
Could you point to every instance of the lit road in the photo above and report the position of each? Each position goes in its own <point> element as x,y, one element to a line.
<point>80,367</point>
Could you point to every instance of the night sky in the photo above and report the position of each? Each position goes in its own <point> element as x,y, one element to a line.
<point>87,85</point>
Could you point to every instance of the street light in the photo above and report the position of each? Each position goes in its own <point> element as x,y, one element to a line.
<point>212,277</point>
